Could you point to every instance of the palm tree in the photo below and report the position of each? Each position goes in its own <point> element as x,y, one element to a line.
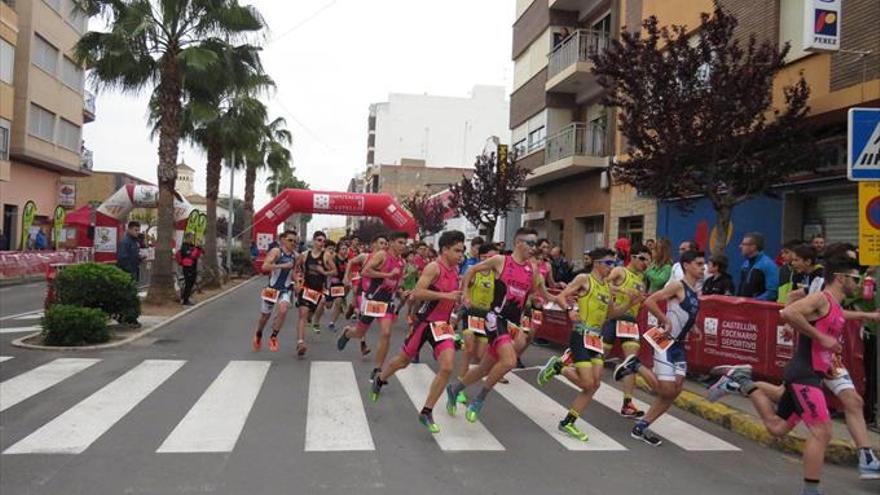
<point>159,44</point>
<point>284,178</point>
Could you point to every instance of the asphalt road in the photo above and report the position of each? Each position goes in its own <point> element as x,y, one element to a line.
<point>192,409</point>
<point>17,299</point>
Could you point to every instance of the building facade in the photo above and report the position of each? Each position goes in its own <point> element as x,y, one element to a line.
<point>43,106</point>
<point>185,186</point>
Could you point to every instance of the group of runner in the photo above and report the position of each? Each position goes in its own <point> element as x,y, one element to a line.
<point>495,299</point>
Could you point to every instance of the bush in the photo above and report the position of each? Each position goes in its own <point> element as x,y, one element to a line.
<point>100,286</point>
<point>74,325</point>
<point>241,262</point>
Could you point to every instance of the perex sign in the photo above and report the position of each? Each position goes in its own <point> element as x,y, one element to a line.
<point>821,25</point>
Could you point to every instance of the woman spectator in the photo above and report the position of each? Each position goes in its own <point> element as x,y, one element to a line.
<point>658,273</point>
<point>719,282</point>
<point>188,259</point>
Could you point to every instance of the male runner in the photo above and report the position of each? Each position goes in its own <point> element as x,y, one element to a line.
<point>515,279</point>
<point>473,256</point>
<point>356,282</point>
<point>327,301</point>
<point>337,284</point>
<point>438,292</point>
<point>481,293</point>
<point>382,274</point>
<point>544,268</point>
<point>595,305</point>
<point>317,265</point>
<point>670,360</point>
<point>280,261</point>
<point>627,282</point>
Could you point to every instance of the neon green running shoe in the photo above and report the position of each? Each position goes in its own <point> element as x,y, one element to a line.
<point>461,398</point>
<point>473,410</point>
<point>428,421</point>
<point>316,327</point>
<point>573,431</point>
<point>549,370</point>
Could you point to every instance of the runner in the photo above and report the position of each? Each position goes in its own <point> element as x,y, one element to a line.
<point>536,302</point>
<point>356,282</point>
<point>338,289</point>
<point>481,293</point>
<point>626,283</point>
<point>515,279</point>
<point>382,274</point>
<point>595,305</point>
<point>819,320</point>
<point>670,361</point>
<point>317,265</point>
<point>327,301</point>
<point>473,257</point>
<point>438,293</point>
<point>280,261</point>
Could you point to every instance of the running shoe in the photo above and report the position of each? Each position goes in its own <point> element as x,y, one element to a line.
<point>869,470</point>
<point>631,411</point>
<point>257,343</point>
<point>552,368</point>
<point>332,326</point>
<point>461,398</point>
<point>573,431</point>
<point>374,374</point>
<point>273,343</point>
<point>725,385</point>
<point>733,381</point>
<point>316,328</point>
<point>519,364</point>
<point>473,410</point>
<point>728,368</point>
<point>301,348</point>
<point>451,401</point>
<point>646,435</point>
<point>627,367</point>
<point>503,380</point>
<point>428,421</point>
<point>342,341</point>
<point>375,389</point>
<point>364,349</point>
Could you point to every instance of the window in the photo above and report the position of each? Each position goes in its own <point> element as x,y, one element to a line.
<point>536,138</point>
<point>7,61</point>
<point>68,135</point>
<point>55,4</point>
<point>71,74</point>
<point>4,139</point>
<point>633,228</point>
<point>77,18</point>
<point>519,147</point>
<point>42,123</point>
<point>45,55</point>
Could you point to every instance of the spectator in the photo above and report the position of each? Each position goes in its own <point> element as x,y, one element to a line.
<point>255,251</point>
<point>818,243</point>
<point>188,259</point>
<point>128,256</point>
<point>783,261</point>
<point>40,241</point>
<point>759,277</point>
<point>650,244</point>
<point>661,267</point>
<point>562,271</point>
<point>719,281</point>
<point>677,270</point>
<point>808,275</point>
<point>623,247</point>
<point>473,256</point>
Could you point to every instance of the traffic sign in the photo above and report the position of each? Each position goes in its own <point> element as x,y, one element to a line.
<point>869,223</point>
<point>863,144</point>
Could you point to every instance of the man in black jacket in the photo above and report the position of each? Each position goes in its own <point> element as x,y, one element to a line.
<point>128,255</point>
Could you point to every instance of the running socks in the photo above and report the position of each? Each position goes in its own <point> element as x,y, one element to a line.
<point>627,400</point>
<point>426,411</point>
<point>457,387</point>
<point>571,417</point>
<point>274,332</point>
<point>483,393</point>
<point>811,487</point>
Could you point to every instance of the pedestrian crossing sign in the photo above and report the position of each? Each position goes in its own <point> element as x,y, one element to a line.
<point>863,144</point>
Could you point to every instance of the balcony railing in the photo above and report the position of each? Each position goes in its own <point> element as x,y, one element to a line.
<point>576,139</point>
<point>87,159</point>
<point>89,103</point>
<point>578,47</point>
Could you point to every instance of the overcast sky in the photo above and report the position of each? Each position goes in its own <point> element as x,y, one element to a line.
<point>330,60</point>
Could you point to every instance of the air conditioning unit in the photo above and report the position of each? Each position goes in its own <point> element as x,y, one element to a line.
<point>604,180</point>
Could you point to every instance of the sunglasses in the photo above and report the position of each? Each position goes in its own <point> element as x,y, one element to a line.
<point>858,278</point>
<point>529,243</point>
<point>642,258</point>
<point>608,263</point>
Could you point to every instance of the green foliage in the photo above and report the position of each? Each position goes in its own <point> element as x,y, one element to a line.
<point>67,325</point>
<point>241,262</point>
<point>100,286</point>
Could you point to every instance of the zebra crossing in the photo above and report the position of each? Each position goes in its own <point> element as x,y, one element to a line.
<point>337,413</point>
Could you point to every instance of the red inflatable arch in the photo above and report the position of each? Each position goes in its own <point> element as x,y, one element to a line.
<point>291,201</point>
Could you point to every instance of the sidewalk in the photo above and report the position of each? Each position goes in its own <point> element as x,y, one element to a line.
<point>736,414</point>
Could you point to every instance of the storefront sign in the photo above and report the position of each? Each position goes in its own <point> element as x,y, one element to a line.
<point>822,25</point>
<point>67,195</point>
<point>869,223</point>
<point>105,239</point>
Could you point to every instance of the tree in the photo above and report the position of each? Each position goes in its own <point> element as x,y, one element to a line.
<point>427,212</point>
<point>369,228</point>
<point>159,44</point>
<point>492,191</point>
<point>697,115</point>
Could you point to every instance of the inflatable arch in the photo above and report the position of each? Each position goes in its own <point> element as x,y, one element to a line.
<point>291,201</point>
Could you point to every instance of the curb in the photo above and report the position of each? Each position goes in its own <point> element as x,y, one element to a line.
<point>19,342</point>
<point>23,280</point>
<point>842,452</point>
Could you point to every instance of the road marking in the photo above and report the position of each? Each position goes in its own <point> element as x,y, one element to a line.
<point>674,430</point>
<point>33,328</point>
<point>456,434</point>
<point>26,314</point>
<point>32,382</point>
<point>5,358</point>
<point>215,421</point>
<point>74,430</point>
<point>29,316</point>
<point>336,420</point>
<point>546,413</point>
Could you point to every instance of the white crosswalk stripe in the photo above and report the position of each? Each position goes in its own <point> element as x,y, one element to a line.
<point>336,420</point>
<point>30,316</point>
<point>29,328</point>
<point>74,430</point>
<point>674,430</point>
<point>545,412</point>
<point>215,421</point>
<point>32,382</point>
<point>456,434</point>
<point>5,358</point>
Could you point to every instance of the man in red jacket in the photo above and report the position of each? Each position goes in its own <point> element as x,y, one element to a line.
<point>188,259</point>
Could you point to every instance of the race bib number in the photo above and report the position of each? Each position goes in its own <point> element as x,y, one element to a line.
<point>652,320</point>
<point>270,295</point>
<point>525,324</point>
<point>311,296</point>
<point>567,360</point>
<point>627,330</point>
<point>537,318</point>
<point>337,291</point>
<point>375,309</point>
<point>593,342</point>
<point>477,325</point>
<point>442,330</point>
<point>659,339</point>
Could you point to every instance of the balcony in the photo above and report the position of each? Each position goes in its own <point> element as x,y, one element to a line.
<point>88,107</point>
<point>86,159</point>
<point>570,68</point>
<point>577,148</point>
